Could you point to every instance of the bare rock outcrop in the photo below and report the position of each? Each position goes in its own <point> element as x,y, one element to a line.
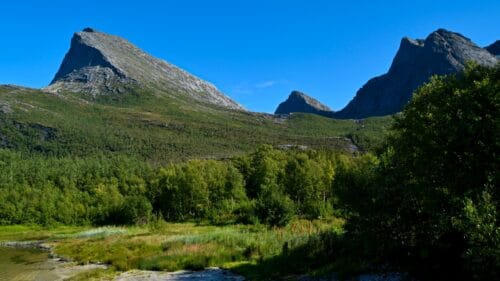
<point>442,52</point>
<point>98,64</point>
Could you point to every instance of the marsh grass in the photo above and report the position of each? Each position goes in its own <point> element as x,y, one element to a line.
<point>100,232</point>
<point>94,275</point>
<point>175,246</point>
<point>36,233</point>
<point>171,246</point>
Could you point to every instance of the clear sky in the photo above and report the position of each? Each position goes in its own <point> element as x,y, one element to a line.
<point>255,51</point>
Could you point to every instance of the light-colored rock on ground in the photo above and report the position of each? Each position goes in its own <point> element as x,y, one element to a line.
<point>209,274</point>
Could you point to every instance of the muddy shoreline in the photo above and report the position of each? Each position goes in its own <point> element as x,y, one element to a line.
<point>60,268</point>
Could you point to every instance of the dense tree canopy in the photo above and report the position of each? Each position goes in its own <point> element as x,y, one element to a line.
<point>430,206</point>
<point>270,186</point>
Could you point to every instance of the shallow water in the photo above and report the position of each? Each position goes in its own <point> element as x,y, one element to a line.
<point>26,265</point>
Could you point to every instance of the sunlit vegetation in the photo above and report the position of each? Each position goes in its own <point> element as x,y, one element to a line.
<point>270,186</point>
<point>161,129</point>
<point>173,246</point>
<point>424,202</point>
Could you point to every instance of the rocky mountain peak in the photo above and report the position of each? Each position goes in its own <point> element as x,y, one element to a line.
<point>455,50</point>
<point>98,63</point>
<point>300,102</point>
<point>442,52</point>
<point>494,48</point>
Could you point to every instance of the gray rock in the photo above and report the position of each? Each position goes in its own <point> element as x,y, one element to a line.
<point>442,52</point>
<point>300,102</point>
<point>209,274</point>
<point>5,108</point>
<point>99,64</point>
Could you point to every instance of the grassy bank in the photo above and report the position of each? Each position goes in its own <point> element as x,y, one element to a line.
<point>173,246</point>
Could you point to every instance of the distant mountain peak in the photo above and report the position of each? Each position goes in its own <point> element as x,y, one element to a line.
<point>442,52</point>
<point>494,48</point>
<point>300,102</point>
<point>98,63</point>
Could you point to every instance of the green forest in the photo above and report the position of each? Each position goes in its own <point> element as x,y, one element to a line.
<point>268,186</point>
<point>423,200</point>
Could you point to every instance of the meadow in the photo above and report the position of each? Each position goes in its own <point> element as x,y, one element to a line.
<point>172,246</point>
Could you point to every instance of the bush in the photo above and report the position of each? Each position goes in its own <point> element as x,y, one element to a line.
<point>274,208</point>
<point>135,210</point>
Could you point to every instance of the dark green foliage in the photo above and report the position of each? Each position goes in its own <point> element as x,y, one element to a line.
<point>269,186</point>
<point>288,183</point>
<point>135,209</point>
<point>96,189</point>
<point>274,208</point>
<point>308,182</point>
<point>430,205</point>
<point>200,190</point>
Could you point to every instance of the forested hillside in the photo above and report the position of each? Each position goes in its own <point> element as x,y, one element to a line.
<point>162,129</point>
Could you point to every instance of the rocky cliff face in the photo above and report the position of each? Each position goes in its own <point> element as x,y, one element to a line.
<point>99,63</point>
<point>494,48</point>
<point>300,102</point>
<point>442,52</point>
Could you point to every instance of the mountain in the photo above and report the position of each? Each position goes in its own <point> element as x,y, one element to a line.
<point>99,64</point>
<point>300,102</point>
<point>113,99</point>
<point>494,48</point>
<point>162,129</point>
<point>442,52</point>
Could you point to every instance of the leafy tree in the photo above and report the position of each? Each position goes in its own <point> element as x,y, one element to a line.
<point>308,182</point>
<point>135,210</point>
<point>200,190</point>
<point>274,208</point>
<point>431,205</point>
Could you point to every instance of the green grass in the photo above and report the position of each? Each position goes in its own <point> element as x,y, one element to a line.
<point>35,233</point>
<point>173,246</point>
<point>94,275</point>
<point>162,129</point>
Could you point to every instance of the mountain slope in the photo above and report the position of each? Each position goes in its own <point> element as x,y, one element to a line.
<point>300,102</point>
<point>442,52</point>
<point>161,128</point>
<point>112,98</point>
<point>100,64</point>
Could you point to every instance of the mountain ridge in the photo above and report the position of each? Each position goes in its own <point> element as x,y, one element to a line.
<point>98,64</point>
<point>442,52</point>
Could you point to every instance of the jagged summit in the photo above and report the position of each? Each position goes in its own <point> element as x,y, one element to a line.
<point>300,102</point>
<point>98,63</point>
<point>442,52</point>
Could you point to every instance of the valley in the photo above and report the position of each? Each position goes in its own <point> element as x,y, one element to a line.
<point>127,167</point>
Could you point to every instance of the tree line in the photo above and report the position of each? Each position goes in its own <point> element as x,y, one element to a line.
<point>269,186</point>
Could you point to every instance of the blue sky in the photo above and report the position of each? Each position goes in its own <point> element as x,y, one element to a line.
<point>256,51</point>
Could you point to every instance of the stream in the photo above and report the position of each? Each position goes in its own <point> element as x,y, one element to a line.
<point>32,264</point>
<point>26,264</point>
